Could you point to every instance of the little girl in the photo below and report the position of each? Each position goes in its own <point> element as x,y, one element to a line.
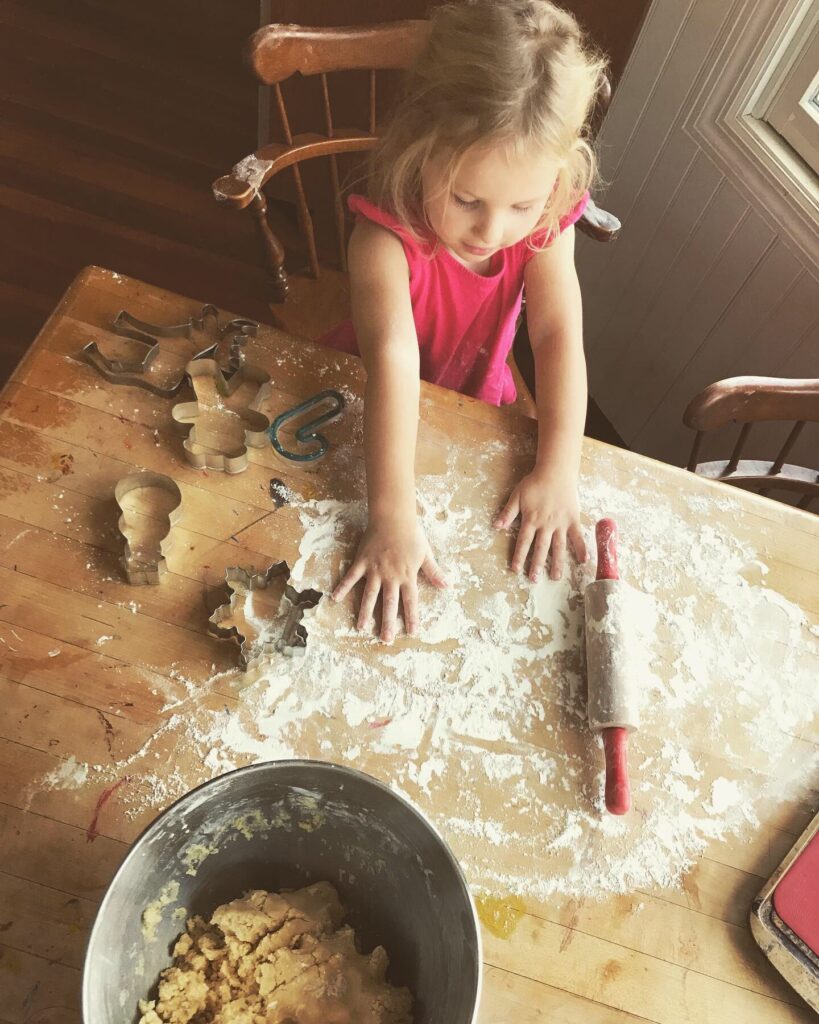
<point>472,194</point>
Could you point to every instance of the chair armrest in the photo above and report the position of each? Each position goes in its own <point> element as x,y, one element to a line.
<point>598,223</point>
<point>753,400</point>
<point>248,176</point>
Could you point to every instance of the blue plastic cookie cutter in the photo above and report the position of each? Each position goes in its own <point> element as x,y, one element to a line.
<point>308,433</point>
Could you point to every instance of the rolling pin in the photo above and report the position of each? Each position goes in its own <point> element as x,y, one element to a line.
<point>613,694</point>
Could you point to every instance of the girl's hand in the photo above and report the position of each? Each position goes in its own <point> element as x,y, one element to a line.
<point>390,555</point>
<point>546,501</point>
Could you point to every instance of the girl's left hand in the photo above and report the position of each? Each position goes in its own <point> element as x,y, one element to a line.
<point>546,502</point>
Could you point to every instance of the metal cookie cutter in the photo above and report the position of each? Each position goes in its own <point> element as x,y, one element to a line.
<point>141,570</point>
<point>291,639</point>
<point>256,424</point>
<point>135,371</point>
<point>244,331</point>
<point>308,432</point>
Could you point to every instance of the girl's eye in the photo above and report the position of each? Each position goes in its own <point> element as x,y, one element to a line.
<point>470,204</point>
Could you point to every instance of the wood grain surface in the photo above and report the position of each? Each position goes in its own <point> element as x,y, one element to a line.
<point>66,437</point>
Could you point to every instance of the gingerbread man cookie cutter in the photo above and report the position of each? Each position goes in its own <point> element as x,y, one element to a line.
<point>221,450</point>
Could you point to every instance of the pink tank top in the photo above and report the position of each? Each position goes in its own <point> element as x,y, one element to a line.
<point>465,321</point>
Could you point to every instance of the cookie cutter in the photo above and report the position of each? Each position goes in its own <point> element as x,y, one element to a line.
<point>308,432</point>
<point>256,424</point>
<point>243,330</point>
<point>137,570</point>
<point>293,637</point>
<point>134,371</point>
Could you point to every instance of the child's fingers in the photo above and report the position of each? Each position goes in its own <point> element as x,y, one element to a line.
<point>349,580</point>
<point>368,599</point>
<point>409,602</point>
<point>540,553</point>
<point>509,513</point>
<point>524,542</point>
<point>578,542</point>
<point>389,611</point>
<point>433,573</point>
<point>558,554</point>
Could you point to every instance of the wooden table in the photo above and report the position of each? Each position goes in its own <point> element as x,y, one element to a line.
<point>66,437</point>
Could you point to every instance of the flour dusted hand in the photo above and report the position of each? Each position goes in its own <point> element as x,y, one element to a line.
<point>546,502</point>
<point>390,555</point>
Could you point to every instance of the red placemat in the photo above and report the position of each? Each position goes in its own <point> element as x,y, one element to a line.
<point>796,898</point>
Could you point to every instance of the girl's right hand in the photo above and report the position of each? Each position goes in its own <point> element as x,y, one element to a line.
<point>389,556</point>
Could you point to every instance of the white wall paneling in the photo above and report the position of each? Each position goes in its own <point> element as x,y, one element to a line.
<point>706,281</point>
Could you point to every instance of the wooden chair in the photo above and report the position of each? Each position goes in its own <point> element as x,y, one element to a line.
<point>749,400</point>
<point>275,53</point>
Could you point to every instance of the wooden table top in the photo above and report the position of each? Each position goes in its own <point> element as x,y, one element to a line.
<point>662,954</point>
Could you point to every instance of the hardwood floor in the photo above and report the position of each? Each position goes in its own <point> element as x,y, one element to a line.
<point>114,120</point>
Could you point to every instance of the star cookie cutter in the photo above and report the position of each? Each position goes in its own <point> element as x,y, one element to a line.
<point>291,639</point>
<point>140,570</point>
<point>135,372</point>
<point>224,456</point>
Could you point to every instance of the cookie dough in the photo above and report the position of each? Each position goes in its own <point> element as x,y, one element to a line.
<point>274,958</point>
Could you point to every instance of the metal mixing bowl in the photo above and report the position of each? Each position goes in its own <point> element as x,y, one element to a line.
<point>282,825</point>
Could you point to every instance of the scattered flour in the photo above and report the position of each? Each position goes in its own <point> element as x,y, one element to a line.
<point>69,774</point>
<point>483,722</point>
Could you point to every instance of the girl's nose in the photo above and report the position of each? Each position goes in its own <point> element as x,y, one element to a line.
<point>490,231</point>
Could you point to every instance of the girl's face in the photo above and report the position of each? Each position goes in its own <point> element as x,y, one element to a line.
<point>495,200</point>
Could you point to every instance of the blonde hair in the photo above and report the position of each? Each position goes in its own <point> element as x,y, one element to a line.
<point>516,73</point>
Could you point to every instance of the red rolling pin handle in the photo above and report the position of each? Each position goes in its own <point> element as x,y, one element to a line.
<point>618,787</point>
<point>606,534</point>
<point>615,740</point>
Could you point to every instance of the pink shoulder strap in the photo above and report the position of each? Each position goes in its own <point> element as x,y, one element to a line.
<point>362,207</point>
<point>541,238</point>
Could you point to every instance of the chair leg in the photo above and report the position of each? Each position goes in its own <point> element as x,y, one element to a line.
<point>272,250</point>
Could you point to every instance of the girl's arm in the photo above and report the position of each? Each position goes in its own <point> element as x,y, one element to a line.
<point>393,548</point>
<point>546,499</point>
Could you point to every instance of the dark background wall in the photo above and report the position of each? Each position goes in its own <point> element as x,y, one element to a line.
<point>114,119</point>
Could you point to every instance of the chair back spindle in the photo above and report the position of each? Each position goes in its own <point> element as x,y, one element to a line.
<point>790,440</point>
<point>372,101</point>
<point>695,451</point>
<point>335,184</point>
<point>305,219</point>
<point>735,454</point>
